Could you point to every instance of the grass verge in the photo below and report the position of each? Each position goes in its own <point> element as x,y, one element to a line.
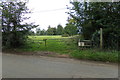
<point>66,46</point>
<point>104,56</point>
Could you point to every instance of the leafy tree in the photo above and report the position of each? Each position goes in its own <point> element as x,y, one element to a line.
<point>43,32</point>
<point>54,31</point>
<point>51,31</point>
<point>14,31</point>
<point>78,13</point>
<point>59,29</point>
<point>93,16</point>
<point>70,28</point>
<point>38,31</point>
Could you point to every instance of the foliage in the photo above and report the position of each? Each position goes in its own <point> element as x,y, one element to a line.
<point>59,29</point>
<point>70,29</point>
<point>93,16</point>
<point>41,32</point>
<point>14,32</point>
<point>51,31</point>
<point>112,38</point>
<point>32,33</point>
<point>38,31</point>
<point>65,35</point>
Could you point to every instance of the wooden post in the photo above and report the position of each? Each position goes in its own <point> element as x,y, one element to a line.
<point>45,41</point>
<point>101,39</point>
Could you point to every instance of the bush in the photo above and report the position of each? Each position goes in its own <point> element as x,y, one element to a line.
<point>13,39</point>
<point>110,38</point>
<point>65,35</point>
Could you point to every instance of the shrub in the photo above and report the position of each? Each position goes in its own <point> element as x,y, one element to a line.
<point>65,35</point>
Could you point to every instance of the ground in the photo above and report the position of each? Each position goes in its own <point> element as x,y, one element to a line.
<point>23,66</point>
<point>60,58</point>
<point>58,46</point>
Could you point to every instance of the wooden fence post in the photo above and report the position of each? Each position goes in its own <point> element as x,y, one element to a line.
<point>45,41</point>
<point>101,38</point>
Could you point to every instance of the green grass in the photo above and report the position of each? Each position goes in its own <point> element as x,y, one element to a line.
<point>104,56</point>
<point>65,45</point>
<point>53,43</point>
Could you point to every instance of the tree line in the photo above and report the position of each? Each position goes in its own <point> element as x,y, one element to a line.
<point>68,30</point>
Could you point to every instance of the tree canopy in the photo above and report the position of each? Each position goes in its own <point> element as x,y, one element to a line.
<point>14,29</point>
<point>92,16</point>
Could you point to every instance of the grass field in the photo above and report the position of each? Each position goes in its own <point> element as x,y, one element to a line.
<point>53,43</point>
<point>65,45</point>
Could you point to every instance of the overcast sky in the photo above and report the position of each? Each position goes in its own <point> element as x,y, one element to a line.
<point>48,12</point>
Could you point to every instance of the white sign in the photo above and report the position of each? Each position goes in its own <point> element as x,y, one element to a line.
<point>81,43</point>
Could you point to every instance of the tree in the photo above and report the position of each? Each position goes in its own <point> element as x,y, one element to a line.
<point>70,29</point>
<point>59,29</point>
<point>54,31</point>
<point>51,31</point>
<point>93,16</point>
<point>43,32</point>
<point>14,31</point>
<point>38,31</point>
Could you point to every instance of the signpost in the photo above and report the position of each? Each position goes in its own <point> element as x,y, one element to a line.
<point>101,39</point>
<point>45,41</point>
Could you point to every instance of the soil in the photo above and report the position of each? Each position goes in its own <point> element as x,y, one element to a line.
<point>37,53</point>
